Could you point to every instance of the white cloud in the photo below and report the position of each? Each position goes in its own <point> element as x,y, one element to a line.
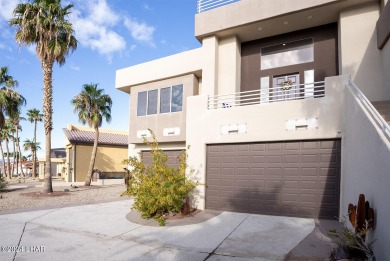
<point>140,32</point>
<point>75,68</point>
<point>101,13</point>
<point>92,24</point>
<point>132,47</point>
<point>7,7</point>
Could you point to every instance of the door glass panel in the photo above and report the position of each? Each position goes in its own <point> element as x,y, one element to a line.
<point>285,87</point>
<point>264,89</point>
<point>309,83</point>
<point>152,102</point>
<point>285,54</point>
<point>141,103</point>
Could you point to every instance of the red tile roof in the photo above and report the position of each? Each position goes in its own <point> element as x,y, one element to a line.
<point>79,136</point>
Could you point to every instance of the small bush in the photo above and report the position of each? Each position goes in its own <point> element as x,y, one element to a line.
<point>158,188</point>
<point>3,184</point>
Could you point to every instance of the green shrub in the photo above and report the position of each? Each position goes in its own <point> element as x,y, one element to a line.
<point>3,184</point>
<point>158,188</point>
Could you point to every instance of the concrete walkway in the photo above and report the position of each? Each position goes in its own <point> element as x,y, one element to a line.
<point>102,232</point>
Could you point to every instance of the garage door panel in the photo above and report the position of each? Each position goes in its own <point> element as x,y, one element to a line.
<point>300,178</point>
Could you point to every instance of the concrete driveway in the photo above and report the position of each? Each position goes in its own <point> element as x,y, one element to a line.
<point>102,232</point>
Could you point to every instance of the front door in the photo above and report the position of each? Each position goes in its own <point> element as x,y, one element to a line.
<point>285,87</point>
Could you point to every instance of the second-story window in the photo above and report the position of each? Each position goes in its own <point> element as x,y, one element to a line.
<point>147,103</point>
<point>171,99</point>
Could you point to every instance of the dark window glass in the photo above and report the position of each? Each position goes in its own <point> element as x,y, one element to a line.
<point>152,102</point>
<point>141,106</point>
<point>177,98</point>
<point>165,100</point>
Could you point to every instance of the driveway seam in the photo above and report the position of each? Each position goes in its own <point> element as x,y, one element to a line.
<point>213,252</point>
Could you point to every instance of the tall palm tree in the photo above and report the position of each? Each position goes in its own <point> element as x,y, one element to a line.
<point>34,115</point>
<point>44,23</point>
<point>7,83</point>
<point>6,133</point>
<point>4,172</point>
<point>92,106</point>
<point>32,146</point>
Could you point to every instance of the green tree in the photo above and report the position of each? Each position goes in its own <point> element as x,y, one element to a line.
<point>7,94</point>
<point>92,106</point>
<point>31,145</point>
<point>34,115</point>
<point>44,23</point>
<point>158,188</point>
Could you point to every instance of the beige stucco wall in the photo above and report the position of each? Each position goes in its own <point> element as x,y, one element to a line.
<point>249,11</point>
<point>366,170</point>
<point>167,67</point>
<point>265,122</point>
<point>385,59</point>
<point>108,159</point>
<point>229,65</point>
<point>158,122</point>
<point>359,55</point>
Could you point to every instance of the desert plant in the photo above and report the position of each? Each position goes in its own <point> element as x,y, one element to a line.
<point>354,244</point>
<point>361,216</point>
<point>158,189</point>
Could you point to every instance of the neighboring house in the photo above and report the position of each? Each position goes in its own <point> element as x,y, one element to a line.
<point>112,150</point>
<point>274,124</point>
<point>57,158</point>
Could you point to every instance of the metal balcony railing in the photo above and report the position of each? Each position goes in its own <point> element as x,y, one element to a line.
<point>275,94</point>
<point>204,5</point>
<point>381,123</point>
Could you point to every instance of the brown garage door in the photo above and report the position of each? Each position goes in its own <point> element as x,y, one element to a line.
<point>172,157</point>
<point>299,178</point>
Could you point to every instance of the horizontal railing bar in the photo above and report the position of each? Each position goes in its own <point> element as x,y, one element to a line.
<point>303,84</point>
<point>381,123</point>
<point>204,5</point>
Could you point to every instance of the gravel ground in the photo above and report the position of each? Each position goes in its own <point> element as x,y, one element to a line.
<point>28,196</point>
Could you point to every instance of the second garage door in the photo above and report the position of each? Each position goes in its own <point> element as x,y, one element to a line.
<point>298,178</point>
<point>171,154</point>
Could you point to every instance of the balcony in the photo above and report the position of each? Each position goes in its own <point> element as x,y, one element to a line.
<point>205,5</point>
<point>270,95</point>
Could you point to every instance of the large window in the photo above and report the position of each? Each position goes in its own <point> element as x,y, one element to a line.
<point>285,54</point>
<point>171,100</point>
<point>147,103</point>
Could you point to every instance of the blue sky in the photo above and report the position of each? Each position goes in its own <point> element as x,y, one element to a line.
<point>112,35</point>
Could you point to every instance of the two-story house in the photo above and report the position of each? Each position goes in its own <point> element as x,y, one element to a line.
<point>276,106</point>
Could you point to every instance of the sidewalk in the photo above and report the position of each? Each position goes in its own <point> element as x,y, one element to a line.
<point>102,232</point>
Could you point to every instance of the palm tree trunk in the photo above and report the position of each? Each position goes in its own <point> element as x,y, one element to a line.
<point>15,157</point>
<point>19,153</point>
<point>8,162</point>
<point>47,67</point>
<point>35,150</point>
<point>2,158</point>
<point>93,158</point>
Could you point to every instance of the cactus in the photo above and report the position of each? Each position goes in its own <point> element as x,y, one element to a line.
<point>361,216</point>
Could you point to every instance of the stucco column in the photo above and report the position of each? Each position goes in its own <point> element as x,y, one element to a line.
<point>210,66</point>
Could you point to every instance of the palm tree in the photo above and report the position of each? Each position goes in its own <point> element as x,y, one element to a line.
<point>32,146</point>
<point>2,137</point>
<point>6,134</point>
<point>7,82</point>
<point>44,23</point>
<point>34,115</point>
<point>92,106</point>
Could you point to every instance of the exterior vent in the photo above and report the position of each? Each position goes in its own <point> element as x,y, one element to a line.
<point>143,134</point>
<point>302,124</point>
<point>233,128</point>
<point>171,131</point>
